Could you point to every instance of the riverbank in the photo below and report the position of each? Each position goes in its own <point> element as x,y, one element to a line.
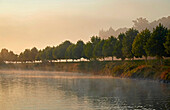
<point>124,69</point>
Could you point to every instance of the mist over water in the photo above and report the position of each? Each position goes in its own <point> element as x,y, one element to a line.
<point>39,90</point>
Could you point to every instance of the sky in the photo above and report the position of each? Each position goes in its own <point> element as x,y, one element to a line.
<point>40,23</point>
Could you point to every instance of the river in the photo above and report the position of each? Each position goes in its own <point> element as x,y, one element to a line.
<point>40,90</point>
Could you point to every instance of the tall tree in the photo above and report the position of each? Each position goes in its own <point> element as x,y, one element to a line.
<point>69,52</point>
<point>140,42</point>
<point>88,50</point>
<point>4,54</point>
<point>48,53</point>
<point>167,43</point>
<point>127,42</point>
<point>97,52</point>
<point>59,51</point>
<point>118,47</point>
<point>154,46</point>
<point>34,52</point>
<point>109,46</point>
<point>78,49</point>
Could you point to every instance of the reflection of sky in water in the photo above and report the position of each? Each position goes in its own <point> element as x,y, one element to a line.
<point>19,91</point>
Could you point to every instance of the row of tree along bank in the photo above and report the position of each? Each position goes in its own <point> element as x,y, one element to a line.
<point>130,44</point>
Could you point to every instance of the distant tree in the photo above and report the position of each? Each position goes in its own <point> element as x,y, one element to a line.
<point>34,52</point>
<point>55,53</point>
<point>8,55</point>
<point>127,42</point>
<point>154,46</point>
<point>12,57</point>
<point>140,42</point>
<point>118,47</point>
<point>167,43</point>
<point>97,52</point>
<point>69,52</point>
<point>4,54</point>
<point>42,55</point>
<point>95,40</point>
<point>88,50</point>
<point>49,53</point>
<point>62,49</point>
<point>27,55</point>
<point>78,50</point>
<point>109,46</point>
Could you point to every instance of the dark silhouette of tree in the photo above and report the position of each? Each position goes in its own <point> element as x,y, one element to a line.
<point>139,43</point>
<point>69,52</point>
<point>78,50</point>
<point>154,46</point>
<point>49,53</point>
<point>4,54</point>
<point>97,52</point>
<point>34,52</point>
<point>95,40</point>
<point>127,42</point>
<point>118,47</point>
<point>109,46</point>
<point>88,50</point>
<point>8,55</point>
<point>12,57</point>
<point>59,52</point>
<point>167,43</point>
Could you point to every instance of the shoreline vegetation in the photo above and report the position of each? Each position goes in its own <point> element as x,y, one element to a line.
<point>126,47</point>
<point>122,69</point>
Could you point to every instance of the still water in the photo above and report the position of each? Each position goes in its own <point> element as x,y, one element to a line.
<point>38,90</point>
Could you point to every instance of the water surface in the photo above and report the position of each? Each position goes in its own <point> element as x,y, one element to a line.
<point>38,90</point>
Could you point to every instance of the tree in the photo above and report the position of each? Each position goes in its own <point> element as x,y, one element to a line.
<point>12,56</point>
<point>118,47</point>
<point>78,49</point>
<point>154,46</point>
<point>59,51</point>
<point>34,52</point>
<point>167,43</point>
<point>97,52</point>
<point>88,50</point>
<point>109,46</point>
<point>4,54</point>
<point>127,42</point>
<point>55,53</point>
<point>49,53</point>
<point>140,42</point>
<point>69,52</point>
<point>25,56</point>
<point>95,40</point>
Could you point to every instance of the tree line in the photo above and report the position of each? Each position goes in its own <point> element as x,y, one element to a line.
<point>129,45</point>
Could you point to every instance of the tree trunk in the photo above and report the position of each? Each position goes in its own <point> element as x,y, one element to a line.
<point>112,58</point>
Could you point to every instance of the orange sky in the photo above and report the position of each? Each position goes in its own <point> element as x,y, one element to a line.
<point>41,23</point>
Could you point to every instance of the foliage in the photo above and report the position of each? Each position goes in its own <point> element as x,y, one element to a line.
<point>128,41</point>
<point>78,50</point>
<point>109,46</point>
<point>118,47</point>
<point>140,42</point>
<point>167,43</point>
<point>154,46</point>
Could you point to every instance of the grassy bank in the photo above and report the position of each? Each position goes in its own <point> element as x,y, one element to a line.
<point>128,69</point>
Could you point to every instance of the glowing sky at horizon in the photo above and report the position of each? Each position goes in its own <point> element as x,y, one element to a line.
<point>41,23</point>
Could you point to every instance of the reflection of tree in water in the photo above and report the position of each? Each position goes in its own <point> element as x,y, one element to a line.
<point>96,93</point>
<point>116,93</point>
